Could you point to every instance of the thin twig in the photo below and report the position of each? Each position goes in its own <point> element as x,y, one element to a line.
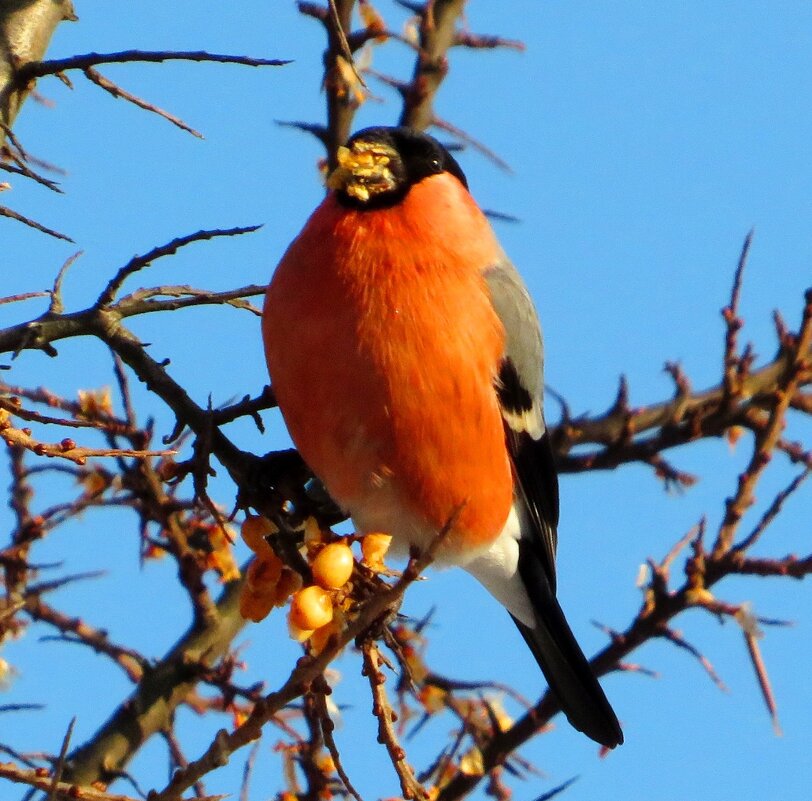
<point>245,785</point>
<point>56,306</point>
<point>94,76</point>
<point>733,324</point>
<point>465,137</point>
<point>751,638</point>
<point>321,689</point>
<point>68,449</point>
<point>60,763</point>
<point>35,778</point>
<point>128,660</point>
<point>13,215</point>
<point>24,296</point>
<point>38,69</point>
<point>771,513</point>
<point>307,669</point>
<point>170,248</point>
<point>341,35</point>
<point>678,640</point>
<point>382,709</point>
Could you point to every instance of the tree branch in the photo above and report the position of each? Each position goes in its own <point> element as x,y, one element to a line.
<point>149,709</point>
<point>438,23</point>
<point>38,69</point>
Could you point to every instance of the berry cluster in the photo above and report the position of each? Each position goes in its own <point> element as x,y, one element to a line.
<point>317,610</point>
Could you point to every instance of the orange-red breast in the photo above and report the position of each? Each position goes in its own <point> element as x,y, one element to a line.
<point>406,357</point>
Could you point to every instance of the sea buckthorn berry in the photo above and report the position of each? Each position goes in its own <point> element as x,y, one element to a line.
<point>374,548</point>
<point>254,605</point>
<point>311,608</point>
<point>300,635</point>
<point>264,572</point>
<point>321,636</point>
<point>289,582</point>
<point>332,566</point>
<point>254,530</point>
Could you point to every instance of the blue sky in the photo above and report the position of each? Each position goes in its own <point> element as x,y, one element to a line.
<point>645,141</point>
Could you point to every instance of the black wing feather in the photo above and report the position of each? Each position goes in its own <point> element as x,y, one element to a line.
<point>551,640</point>
<point>520,390</point>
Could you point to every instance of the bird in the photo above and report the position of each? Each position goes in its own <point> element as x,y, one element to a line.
<point>406,357</point>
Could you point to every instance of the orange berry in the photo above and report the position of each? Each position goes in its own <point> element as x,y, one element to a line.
<point>254,605</point>
<point>264,572</point>
<point>322,635</point>
<point>300,635</point>
<point>254,530</point>
<point>311,608</point>
<point>374,548</point>
<point>289,582</point>
<point>332,566</point>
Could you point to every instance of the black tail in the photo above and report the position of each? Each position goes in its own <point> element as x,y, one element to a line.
<point>559,656</point>
<point>567,670</point>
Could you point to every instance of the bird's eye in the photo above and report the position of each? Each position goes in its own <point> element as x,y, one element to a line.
<point>436,165</point>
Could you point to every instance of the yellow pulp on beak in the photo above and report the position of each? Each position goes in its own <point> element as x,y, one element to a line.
<point>363,170</point>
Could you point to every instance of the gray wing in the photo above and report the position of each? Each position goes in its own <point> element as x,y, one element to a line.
<point>520,389</point>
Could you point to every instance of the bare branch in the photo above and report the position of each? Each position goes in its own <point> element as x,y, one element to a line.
<point>68,449</point>
<point>13,215</point>
<point>40,780</point>
<point>438,22</point>
<point>382,709</point>
<point>170,248</point>
<point>24,296</point>
<point>60,764</point>
<point>94,76</point>
<point>306,671</point>
<point>38,69</point>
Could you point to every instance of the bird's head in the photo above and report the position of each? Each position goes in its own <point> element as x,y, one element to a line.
<point>378,166</point>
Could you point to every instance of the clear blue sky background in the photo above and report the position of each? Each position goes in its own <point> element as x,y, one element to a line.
<point>645,140</point>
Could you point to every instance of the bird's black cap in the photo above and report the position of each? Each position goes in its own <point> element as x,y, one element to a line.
<point>380,165</point>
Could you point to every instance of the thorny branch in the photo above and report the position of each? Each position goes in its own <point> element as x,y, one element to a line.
<point>38,69</point>
<point>435,31</point>
<point>703,569</point>
<point>767,392</point>
<point>40,780</point>
<point>94,76</point>
<point>307,670</point>
<point>382,710</point>
<point>758,400</point>
<point>21,66</point>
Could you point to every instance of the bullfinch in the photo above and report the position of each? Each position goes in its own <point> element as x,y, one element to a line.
<point>406,357</point>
